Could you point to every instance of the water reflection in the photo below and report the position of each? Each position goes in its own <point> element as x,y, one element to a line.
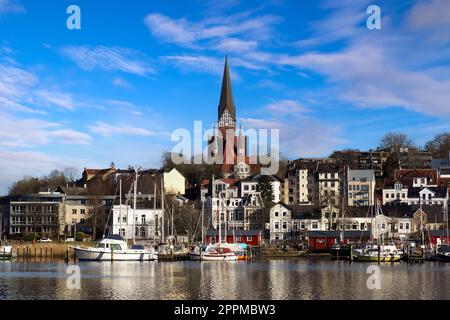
<point>264,279</point>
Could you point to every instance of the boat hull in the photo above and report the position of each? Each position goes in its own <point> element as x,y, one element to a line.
<point>212,257</point>
<point>6,253</point>
<point>442,257</point>
<point>371,258</point>
<point>98,255</point>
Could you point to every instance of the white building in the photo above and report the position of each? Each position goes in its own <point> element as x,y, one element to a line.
<point>145,225</point>
<point>361,187</point>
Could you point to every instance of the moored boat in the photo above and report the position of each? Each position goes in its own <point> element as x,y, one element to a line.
<point>6,252</point>
<point>115,248</point>
<point>371,253</point>
<point>443,254</point>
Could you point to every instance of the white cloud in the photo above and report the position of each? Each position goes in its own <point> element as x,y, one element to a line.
<point>286,107</point>
<point>120,82</point>
<point>214,30</point>
<point>236,45</point>
<point>196,63</point>
<point>30,163</point>
<point>10,6</point>
<point>15,132</point>
<point>110,59</point>
<point>105,129</point>
<point>304,137</point>
<point>54,98</point>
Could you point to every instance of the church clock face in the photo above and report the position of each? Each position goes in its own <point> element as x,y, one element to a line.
<point>226,120</point>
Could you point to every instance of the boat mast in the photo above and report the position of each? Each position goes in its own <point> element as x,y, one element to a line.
<point>446,217</point>
<point>162,208</point>
<point>120,204</point>
<point>154,213</point>
<point>421,223</point>
<point>135,205</point>
<point>203,206</point>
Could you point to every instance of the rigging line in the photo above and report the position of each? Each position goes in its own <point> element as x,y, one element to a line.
<point>109,214</point>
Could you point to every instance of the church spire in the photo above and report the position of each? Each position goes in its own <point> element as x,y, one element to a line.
<point>226,96</point>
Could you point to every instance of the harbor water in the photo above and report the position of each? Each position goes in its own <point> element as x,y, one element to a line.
<point>291,278</point>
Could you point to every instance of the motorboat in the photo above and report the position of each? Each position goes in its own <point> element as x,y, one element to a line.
<point>214,252</point>
<point>443,253</point>
<point>115,248</point>
<point>371,253</point>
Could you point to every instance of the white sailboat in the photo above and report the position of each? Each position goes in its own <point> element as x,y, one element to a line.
<point>115,247</point>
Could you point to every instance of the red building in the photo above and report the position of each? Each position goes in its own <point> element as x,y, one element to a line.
<point>435,235</point>
<point>250,237</point>
<point>324,240</point>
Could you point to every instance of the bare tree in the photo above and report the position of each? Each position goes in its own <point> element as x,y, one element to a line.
<point>395,141</point>
<point>71,174</point>
<point>328,206</point>
<point>439,147</point>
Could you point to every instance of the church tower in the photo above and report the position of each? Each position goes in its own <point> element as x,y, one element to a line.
<point>234,149</point>
<point>227,110</point>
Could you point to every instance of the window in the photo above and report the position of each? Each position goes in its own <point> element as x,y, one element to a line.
<point>82,220</point>
<point>276,213</point>
<point>315,225</point>
<point>246,187</point>
<point>277,236</point>
<point>74,211</point>
<point>74,221</point>
<point>303,225</point>
<point>122,232</point>
<point>83,211</point>
<point>249,238</point>
<point>276,225</point>
<point>284,213</point>
<point>407,226</point>
<point>143,219</point>
<point>401,226</point>
<point>284,225</point>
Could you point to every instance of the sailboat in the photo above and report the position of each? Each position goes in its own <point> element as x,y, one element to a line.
<point>443,250</point>
<point>220,251</point>
<point>115,247</point>
<point>377,252</point>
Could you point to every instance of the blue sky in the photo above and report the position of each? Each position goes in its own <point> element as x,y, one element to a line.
<point>137,70</point>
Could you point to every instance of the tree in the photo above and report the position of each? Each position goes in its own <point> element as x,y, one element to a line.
<point>439,146</point>
<point>264,187</point>
<point>71,174</point>
<point>328,206</point>
<point>395,141</point>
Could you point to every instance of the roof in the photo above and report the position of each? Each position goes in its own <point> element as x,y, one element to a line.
<point>406,176</point>
<point>438,192</point>
<point>336,234</point>
<point>358,175</point>
<point>397,211</point>
<point>214,232</point>
<point>226,95</point>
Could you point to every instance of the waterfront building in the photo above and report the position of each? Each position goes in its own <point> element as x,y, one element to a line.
<point>290,222</point>
<point>53,213</point>
<point>361,187</point>
<point>250,237</point>
<point>142,224</point>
